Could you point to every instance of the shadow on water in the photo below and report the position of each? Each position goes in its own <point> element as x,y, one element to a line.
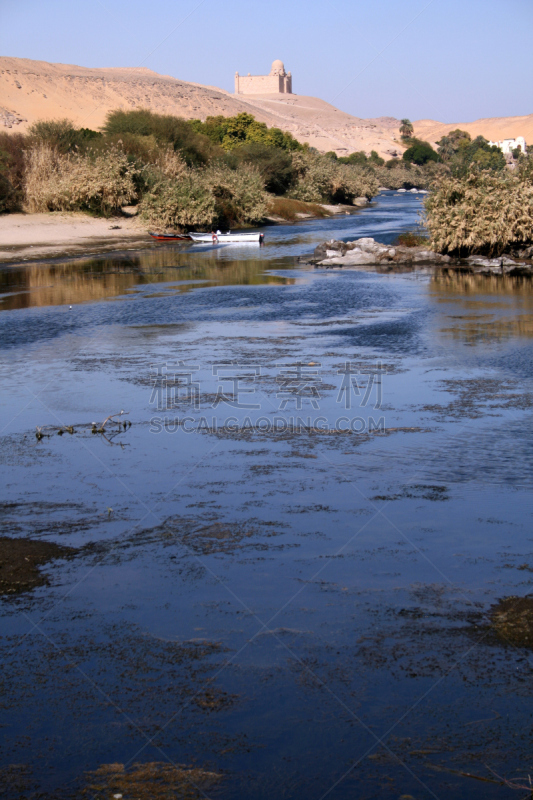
<point>90,281</point>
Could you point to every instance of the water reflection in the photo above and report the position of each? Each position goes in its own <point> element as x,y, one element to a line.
<point>92,280</point>
<point>483,308</point>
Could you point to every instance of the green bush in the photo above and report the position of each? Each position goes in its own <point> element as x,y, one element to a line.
<point>11,171</point>
<point>376,159</point>
<point>420,153</point>
<point>449,145</point>
<point>273,164</point>
<point>458,151</point>
<point>356,159</point>
<point>62,135</point>
<point>361,159</point>
<point>164,130</point>
<point>179,205</point>
<point>231,132</point>
<point>239,194</point>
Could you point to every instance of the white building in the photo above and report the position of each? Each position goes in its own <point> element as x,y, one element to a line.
<point>508,145</point>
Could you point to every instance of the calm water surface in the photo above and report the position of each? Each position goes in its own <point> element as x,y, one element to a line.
<point>287,567</point>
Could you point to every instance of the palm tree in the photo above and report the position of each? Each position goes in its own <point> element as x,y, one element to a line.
<point>406,129</point>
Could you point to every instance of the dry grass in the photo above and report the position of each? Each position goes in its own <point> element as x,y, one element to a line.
<point>412,239</point>
<point>291,210</point>
<point>239,193</point>
<point>55,182</point>
<point>180,198</point>
<point>320,178</point>
<point>179,205</point>
<point>486,212</point>
<point>101,182</point>
<point>512,620</point>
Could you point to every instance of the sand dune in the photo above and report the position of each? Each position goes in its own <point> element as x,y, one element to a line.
<point>31,90</point>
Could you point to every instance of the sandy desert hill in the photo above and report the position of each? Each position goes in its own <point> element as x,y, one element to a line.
<point>31,90</point>
<point>494,128</point>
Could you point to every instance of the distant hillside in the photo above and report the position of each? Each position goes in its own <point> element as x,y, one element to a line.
<point>495,128</point>
<point>31,90</point>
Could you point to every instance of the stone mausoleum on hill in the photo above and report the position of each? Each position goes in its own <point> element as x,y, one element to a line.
<point>277,82</point>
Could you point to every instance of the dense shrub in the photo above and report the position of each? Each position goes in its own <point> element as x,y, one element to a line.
<point>62,134</point>
<point>231,132</point>
<point>449,145</point>
<point>181,198</point>
<point>400,174</point>
<point>274,165</point>
<point>458,151</point>
<point>420,153</point>
<point>11,171</point>
<point>485,212</point>
<point>239,194</point>
<point>101,183</point>
<point>179,205</point>
<point>360,158</point>
<point>321,179</point>
<point>164,130</point>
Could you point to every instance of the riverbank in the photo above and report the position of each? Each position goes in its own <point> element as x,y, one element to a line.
<point>27,236</point>
<point>24,237</point>
<point>286,209</point>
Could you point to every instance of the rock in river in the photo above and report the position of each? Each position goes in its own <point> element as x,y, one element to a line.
<point>368,252</point>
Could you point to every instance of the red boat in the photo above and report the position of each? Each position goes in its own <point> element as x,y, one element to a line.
<point>170,237</point>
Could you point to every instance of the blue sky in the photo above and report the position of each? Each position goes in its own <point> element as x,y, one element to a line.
<point>451,60</point>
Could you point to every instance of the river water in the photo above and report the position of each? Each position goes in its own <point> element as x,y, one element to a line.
<point>290,569</point>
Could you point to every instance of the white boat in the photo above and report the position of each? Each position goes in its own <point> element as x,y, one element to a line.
<point>221,238</point>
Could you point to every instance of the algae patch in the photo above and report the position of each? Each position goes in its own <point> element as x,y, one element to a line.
<point>151,781</point>
<point>512,620</point>
<point>20,560</point>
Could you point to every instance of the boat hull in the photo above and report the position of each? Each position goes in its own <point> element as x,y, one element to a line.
<point>170,237</point>
<point>222,238</point>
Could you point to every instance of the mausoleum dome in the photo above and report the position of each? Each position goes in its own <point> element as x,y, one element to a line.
<point>278,68</point>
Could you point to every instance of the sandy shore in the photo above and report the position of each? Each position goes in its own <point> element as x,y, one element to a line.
<point>29,236</point>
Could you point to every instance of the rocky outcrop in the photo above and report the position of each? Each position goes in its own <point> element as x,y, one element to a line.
<point>9,118</point>
<point>498,266</point>
<point>367,252</point>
